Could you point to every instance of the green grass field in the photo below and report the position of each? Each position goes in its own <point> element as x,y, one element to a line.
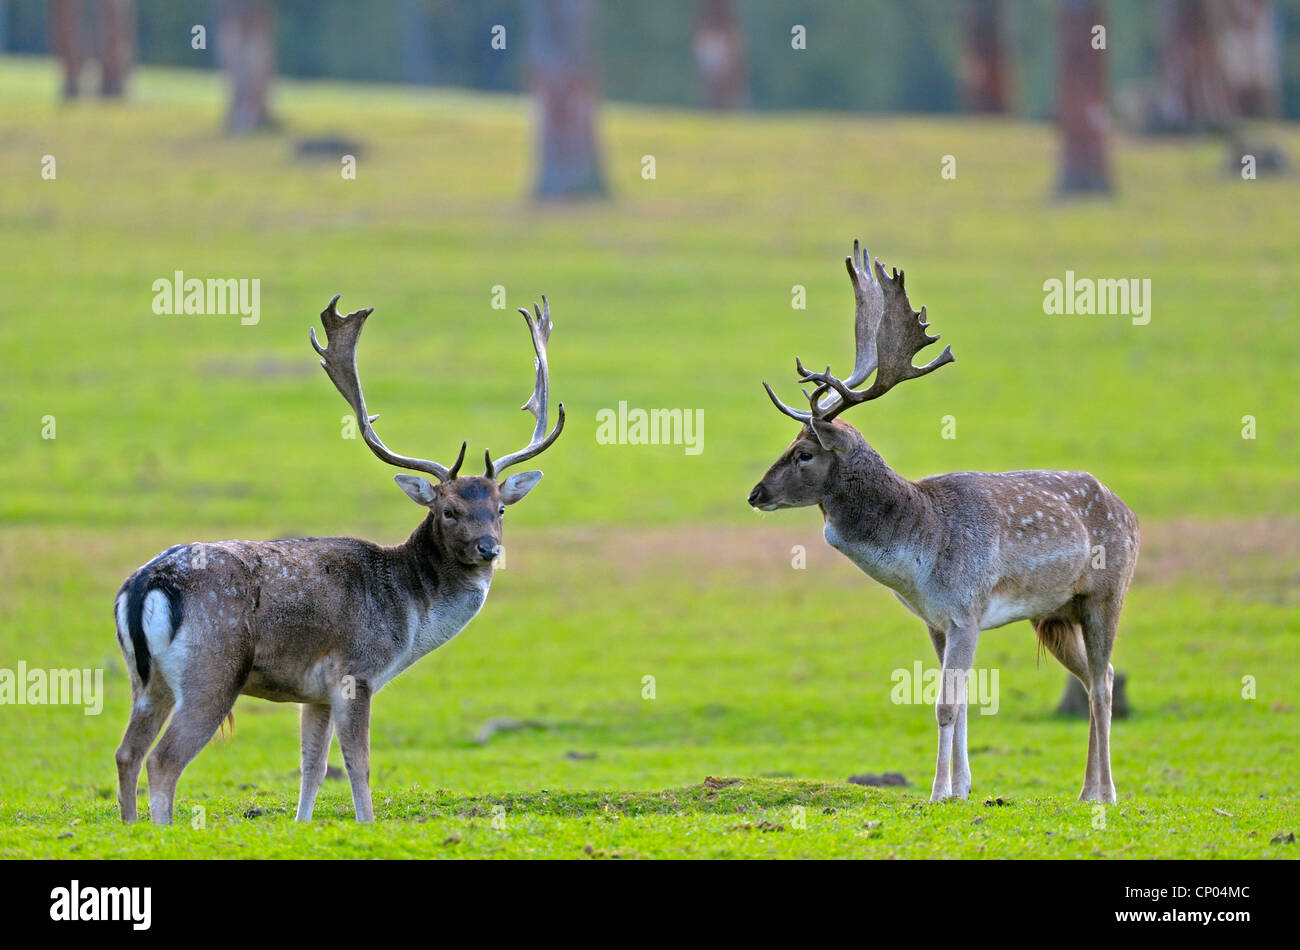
<point>642,561</point>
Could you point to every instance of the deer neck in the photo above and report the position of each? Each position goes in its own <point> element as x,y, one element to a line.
<point>879,520</point>
<point>432,598</point>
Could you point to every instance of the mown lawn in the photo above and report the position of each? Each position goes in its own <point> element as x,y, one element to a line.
<point>642,561</point>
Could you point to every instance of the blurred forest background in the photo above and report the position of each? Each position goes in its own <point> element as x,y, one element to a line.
<point>333,147</point>
<point>1178,66</point>
<point>646,52</point>
<point>869,54</point>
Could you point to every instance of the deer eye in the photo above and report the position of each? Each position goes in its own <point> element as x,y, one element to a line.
<point>449,514</point>
<point>805,456</point>
<point>501,510</point>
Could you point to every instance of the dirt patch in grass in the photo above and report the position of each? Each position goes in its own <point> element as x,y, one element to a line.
<point>1256,556</point>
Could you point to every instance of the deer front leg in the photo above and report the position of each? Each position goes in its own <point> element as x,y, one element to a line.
<point>957,659</point>
<point>959,759</point>
<point>352,723</point>
<point>316,728</point>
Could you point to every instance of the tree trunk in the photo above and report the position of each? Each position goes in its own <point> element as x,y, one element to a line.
<point>564,83</point>
<point>116,45</point>
<point>415,41</point>
<point>986,79</point>
<point>1246,31</point>
<point>1084,115</point>
<point>719,48</point>
<point>1190,93</point>
<point>246,45</point>
<point>65,38</point>
<point>1074,701</point>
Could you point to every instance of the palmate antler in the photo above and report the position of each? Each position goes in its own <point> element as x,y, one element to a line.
<point>887,334</point>
<point>339,358</point>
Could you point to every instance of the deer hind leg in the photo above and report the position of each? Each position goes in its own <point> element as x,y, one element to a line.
<point>1063,638</point>
<point>352,722</point>
<point>957,659</point>
<point>959,759</point>
<point>150,707</point>
<point>1100,621</point>
<point>316,729</point>
<point>203,701</point>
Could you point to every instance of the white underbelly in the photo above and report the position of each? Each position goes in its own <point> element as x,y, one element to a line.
<point>1009,608</point>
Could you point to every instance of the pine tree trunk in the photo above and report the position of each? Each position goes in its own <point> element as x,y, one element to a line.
<point>1246,33</point>
<point>246,43</point>
<point>116,45</point>
<point>986,79</point>
<point>65,38</point>
<point>719,47</point>
<point>564,83</point>
<point>1074,700</point>
<point>415,41</point>
<point>1084,113</point>
<point>1190,92</point>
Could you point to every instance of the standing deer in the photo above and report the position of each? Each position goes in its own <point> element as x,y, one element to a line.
<point>324,622</point>
<point>965,552</point>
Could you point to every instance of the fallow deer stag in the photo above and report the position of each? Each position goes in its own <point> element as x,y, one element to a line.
<point>324,622</point>
<point>967,551</point>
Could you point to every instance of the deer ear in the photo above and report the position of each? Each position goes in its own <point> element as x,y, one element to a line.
<point>831,437</point>
<point>517,486</point>
<point>419,489</point>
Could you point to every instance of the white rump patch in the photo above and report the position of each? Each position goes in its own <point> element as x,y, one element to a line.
<point>167,648</point>
<point>124,633</point>
<point>156,619</point>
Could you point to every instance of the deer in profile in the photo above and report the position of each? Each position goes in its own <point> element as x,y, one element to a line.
<point>324,622</point>
<point>967,551</point>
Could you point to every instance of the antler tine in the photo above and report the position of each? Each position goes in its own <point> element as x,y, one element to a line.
<point>868,310</point>
<point>455,469</point>
<point>825,383</point>
<point>339,359</point>
<point>538,403</point>
<point>799,415</point>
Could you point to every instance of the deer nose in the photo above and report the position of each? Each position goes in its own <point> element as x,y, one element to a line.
<point>757,496</point>
<point>488,549</point>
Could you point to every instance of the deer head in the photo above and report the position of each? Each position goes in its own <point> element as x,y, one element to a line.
<point>887,333</point>
<point>465,510</point>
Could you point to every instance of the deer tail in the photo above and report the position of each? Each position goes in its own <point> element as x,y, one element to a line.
<point>1053,632</point>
